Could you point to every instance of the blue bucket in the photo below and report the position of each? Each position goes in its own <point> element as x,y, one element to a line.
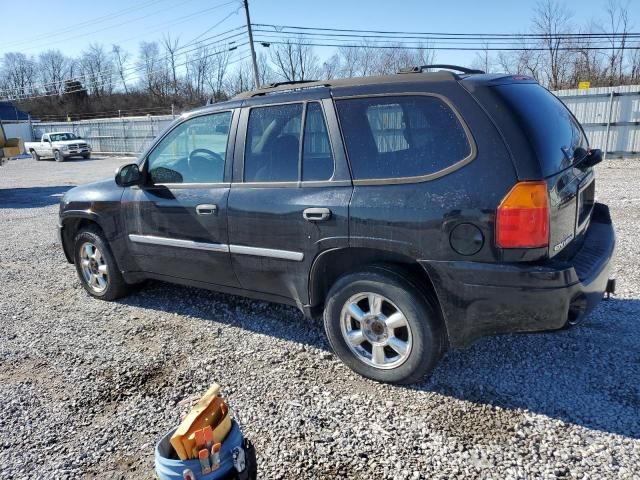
<point>168,468</point>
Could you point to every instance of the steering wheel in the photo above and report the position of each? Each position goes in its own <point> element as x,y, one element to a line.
<point>200,165</point>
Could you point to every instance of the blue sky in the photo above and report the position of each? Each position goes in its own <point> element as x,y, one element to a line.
<point>37,25</point>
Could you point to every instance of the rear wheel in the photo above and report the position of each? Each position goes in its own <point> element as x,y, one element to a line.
<point>96,266</point>
<point>383,327</point>
<point>58,156</point>
<point>35,155</point>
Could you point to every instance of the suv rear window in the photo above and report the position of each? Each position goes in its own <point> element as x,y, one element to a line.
<point>556,136</point>
<point>401,136</point>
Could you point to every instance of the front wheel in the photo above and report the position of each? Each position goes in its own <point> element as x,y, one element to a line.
<point>58,156</point>
<point>96,266</point>
<point>382,327</point>
<point>86,156</point>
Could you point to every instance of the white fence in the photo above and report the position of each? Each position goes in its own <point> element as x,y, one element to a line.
<point>15,129</point>
<point>609,115</point>
<point>111,135</point>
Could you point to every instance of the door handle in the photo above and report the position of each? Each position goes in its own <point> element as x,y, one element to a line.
<point>316,214</point>
<point>206,209</point>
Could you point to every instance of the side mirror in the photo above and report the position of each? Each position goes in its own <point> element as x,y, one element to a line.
<point>594,157</point>
<point>128,175</point>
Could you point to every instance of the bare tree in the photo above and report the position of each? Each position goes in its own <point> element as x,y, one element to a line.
<point>18,72</point>
<point>171,47</point>
<point>217,72</point>
<point>154,75</point>
<point>53,69</point>
<point>618,26</point>
<point>96,68</point>
<point>265,72</point>
<point>359,61</point>
<point>198,65</point>
<point>483,59</point>
<point>551,20</point>
<point>240,78</point>
<point>331,67</point>
<point>295,60</point>
<point>121,57</point>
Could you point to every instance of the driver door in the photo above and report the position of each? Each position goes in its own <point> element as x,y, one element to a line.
<point>177,219</point>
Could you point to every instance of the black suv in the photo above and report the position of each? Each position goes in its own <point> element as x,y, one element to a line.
<point>416,212</point>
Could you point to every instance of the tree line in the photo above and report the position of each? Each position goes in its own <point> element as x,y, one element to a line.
<point>166,75</point>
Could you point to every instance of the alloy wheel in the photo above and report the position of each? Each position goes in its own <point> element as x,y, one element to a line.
<point>375,330</point>
<point>94,268</point>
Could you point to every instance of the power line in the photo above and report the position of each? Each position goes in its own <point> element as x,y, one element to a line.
<point>508,35</point>
<point>91,22</point>
<point>316,36</point>
<point>172,22</point>
<point>435,47</point>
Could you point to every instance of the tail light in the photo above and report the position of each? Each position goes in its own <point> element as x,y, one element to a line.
<point>522,219</point>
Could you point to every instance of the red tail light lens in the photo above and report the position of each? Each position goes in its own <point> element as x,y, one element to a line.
<point>522,219</point>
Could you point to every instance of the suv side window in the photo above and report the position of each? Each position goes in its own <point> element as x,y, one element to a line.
<point>193,152</point>
<point>401,136</point>
<point>317,160</point>
<point>272,147</point>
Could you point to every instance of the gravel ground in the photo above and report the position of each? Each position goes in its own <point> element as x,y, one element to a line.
<point>89,386</point>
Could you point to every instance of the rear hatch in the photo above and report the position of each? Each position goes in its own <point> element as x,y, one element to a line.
<point>559,145</point>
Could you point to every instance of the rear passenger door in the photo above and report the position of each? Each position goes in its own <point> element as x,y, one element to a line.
<point>290,195</point>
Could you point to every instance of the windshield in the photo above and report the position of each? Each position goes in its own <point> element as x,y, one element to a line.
<point>555,134</point>
<point>59,137</point>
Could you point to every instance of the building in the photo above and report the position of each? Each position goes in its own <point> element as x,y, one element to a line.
<point>8,112</point>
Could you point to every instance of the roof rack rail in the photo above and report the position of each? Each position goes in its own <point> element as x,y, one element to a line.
<point>457,68</point>
<point>279,84</point>
<point>282,87</point>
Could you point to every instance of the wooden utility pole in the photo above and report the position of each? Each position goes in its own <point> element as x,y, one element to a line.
<point>256,78</point>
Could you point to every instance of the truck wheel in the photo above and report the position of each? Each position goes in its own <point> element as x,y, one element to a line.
<point>58,156</point>
<point>35,155</point>
<point>96,266</point>
<point>86,156</point>
<point>382,327</point>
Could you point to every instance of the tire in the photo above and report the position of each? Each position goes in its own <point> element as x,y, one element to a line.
<point>35,155</point>
<point>86,156</point>
<point>57,155</point>
<point>420,335</point>
<point>96,266</point>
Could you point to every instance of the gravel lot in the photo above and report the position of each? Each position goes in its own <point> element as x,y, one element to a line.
<point>89,386</point>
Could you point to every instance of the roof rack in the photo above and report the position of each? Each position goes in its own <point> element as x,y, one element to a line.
<point>457,68</point>
<point>279,84</point>
<point>280,87</point>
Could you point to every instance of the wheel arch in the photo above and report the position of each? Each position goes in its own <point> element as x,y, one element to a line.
<point>330,265</point>
<point>71,225</point>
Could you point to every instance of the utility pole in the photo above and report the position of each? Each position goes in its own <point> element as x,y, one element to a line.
<point>256,79</point>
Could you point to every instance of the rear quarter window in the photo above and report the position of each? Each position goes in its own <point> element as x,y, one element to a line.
<point>401,136</point>
<point>554,133</point>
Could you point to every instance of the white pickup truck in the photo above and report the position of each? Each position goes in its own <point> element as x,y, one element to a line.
<point>59,145</point>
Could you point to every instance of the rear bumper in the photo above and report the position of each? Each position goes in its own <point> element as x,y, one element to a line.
<point>479,299</point>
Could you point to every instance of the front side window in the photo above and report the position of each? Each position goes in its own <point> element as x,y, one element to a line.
<point>399,137</point>
<point>193,152</point>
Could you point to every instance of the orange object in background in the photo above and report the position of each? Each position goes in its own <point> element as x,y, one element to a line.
<point>210,411</point>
